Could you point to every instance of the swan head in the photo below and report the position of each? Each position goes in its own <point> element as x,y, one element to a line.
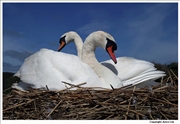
<point>110,48</point>
<point>66,38</point>
<point>103,40</point>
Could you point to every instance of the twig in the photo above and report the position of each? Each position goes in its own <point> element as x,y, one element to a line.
<point>18,105</point>
<point>20,92</point>
<point>109,116</point>
<point>53,109</point>
<point>112,87</point>
<point>166,100</point>
<point>131,110</point>
<point>163,101</point>
<point>90,93</point>
<point>142,100</point>
<point>35,106</point>
<point>128,108</point>
<point>137,116</point>
<point>7,89</point>
<point>164,115</point>
<point>72,85</point>
<point>151,115</point>
<point>171,78</point>
<point>47,87</point>
<point>160,88</point>
<point>134,88</point>
<point>162,79</point>
<point>174,74</point>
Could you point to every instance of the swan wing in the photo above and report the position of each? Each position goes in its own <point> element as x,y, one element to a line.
<point>127,67</point>
<point>47,68</point>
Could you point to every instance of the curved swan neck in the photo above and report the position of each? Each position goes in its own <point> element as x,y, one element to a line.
<point>72,36</point>
<point>88,52</point>
<point>79,44</point>
<point>88,56</point>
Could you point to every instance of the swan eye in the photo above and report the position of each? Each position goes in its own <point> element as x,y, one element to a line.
<point>62,43</point>
<point>111,43</point>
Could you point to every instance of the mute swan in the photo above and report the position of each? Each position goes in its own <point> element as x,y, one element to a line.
<point>131,71</point>
<point>47,68</point>
<point>71,36</point>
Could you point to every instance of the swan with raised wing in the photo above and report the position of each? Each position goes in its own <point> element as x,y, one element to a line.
<point>131,71</point>
<point>48,69</point>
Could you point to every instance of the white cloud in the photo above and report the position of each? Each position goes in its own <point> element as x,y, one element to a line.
<point>14,51</point>
<point>160,52</point>
<point>7,67</point>
<point>93,26</point>
<point>16,54</point>
<point>13,40</point>
<point>151,36</point>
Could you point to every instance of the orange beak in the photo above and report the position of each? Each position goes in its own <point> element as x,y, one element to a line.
<point>111,53</point>
<point>62,44</point>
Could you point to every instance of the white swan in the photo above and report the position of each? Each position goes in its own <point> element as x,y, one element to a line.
<point>71,36</point>
<point>47,68</point>
<point>131,71</point>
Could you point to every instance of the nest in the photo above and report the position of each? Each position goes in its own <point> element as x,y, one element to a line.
<point>148,103</point>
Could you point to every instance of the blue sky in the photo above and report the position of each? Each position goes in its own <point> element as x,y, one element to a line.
<point>147,31</point>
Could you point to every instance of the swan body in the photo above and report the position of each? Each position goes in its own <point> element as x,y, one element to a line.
<point>48,69</point>
<point>131,71</point>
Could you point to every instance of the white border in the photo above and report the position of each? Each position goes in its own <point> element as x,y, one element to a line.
<point>80,1</point>
<point>88,1</point>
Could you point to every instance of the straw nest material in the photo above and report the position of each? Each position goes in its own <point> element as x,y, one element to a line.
<point>148,103</point>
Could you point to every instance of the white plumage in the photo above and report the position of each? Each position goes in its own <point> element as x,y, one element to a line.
<point>47,68</point>
<point>50,68</point>
<point>129,70</point>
